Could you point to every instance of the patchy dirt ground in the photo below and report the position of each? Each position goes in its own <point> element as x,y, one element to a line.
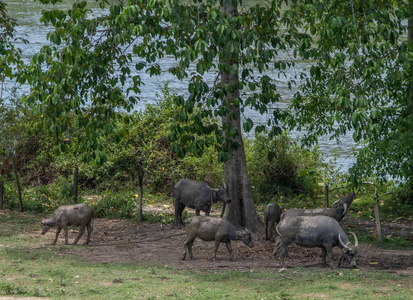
<point>155,244</point>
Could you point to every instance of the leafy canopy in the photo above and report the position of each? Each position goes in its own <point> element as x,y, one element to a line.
<point>360,82</point>
<point>94,63</point>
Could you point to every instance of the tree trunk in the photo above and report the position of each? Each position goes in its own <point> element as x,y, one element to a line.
<point>75,184</point>
<point>16,176</point>
<point>241,210</point>
<point>410,41</point>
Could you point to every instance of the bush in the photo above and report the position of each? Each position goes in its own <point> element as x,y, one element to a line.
<point>280,167</point>
<point>115,205</point>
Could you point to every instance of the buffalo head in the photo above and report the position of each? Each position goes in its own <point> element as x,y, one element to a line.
<point>221,195</point>
<point>349,251</point>
<point>245,237</point>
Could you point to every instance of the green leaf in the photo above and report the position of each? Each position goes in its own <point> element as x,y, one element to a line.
<point>248,125</point>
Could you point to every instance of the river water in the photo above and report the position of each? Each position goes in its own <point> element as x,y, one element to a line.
<point>27,13</point>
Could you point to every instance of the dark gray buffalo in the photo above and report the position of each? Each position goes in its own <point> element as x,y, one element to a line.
<point>315,231</point>
<point>337,211</point>
<point>198,195</point>
<point>70,215</point>
<point>272,215</point>
<point>213,229</point>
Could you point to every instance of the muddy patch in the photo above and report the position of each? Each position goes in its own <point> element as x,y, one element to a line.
<point>156,244</point>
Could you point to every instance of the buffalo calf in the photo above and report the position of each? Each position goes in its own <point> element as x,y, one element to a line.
<point>213,229</point>
<point>70,215</point>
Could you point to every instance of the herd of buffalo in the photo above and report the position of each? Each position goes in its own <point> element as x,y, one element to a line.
<point>305,227</point>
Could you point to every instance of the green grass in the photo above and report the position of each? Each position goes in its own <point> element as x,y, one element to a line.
<point>28,268</point>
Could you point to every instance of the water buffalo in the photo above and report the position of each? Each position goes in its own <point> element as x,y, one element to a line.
<point>213,229</point>
<point>272,215</point>
<point>337,211</point>
<point>315,231</point>
<point>70,215</point>
<point>198,195</point>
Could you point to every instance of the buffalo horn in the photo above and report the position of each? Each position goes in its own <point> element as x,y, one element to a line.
<point>356,241</point>
<point>345,209</point>
<point>344,245</point>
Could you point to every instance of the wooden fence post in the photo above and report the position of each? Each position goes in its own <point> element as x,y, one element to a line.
<point>75,182</point>
<point>16,175</point>
<point>376,212</point>
<point>377,215</point>
<point>326,195</point>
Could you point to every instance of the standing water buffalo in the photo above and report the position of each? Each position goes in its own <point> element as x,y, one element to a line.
<point>272,215</point>
<point>213,229</point>
<point>198,195</point>
<point>337,211</point>
<point>70,215</point>
<point>315,231</point>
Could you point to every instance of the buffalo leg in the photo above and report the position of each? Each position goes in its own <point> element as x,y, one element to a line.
<point>231,257</point>
<point>57,234</point>
<point>89,232</point>
<point>81,232</point>
<point>330,255</point>
<point>216,245</point>
<point>66,231</point>
<point>179,208</point>
<point>284,252</point>
<point>271,230</point>
<point>188,248</point>
<point>323,256</point>
<point>266,227</point>
<point>197,212</point>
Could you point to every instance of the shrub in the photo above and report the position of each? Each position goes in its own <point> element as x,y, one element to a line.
<point>115,205</point>
<point>280,167</point>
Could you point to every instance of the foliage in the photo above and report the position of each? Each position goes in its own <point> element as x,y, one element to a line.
<point>145,145</point>
<point>360,83</point>
<point>81,67</point>
<point>40,198</point>
<point>10,57</point>
<point>243,44</point>
<point>404,193</point>
<point>278,167</point>
<point>115,205</point>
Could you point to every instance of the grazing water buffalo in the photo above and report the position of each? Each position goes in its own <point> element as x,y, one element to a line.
<point>337,211</point>
<point>198,195</point>
<point>272,215</point>
<point>315,231</point>
<point>70,215</point>
<point>213,229</point>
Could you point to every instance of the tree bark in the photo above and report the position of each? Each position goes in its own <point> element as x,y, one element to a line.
<point>241,210</point>
<point>410,41</point>
<point>16,176</point>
